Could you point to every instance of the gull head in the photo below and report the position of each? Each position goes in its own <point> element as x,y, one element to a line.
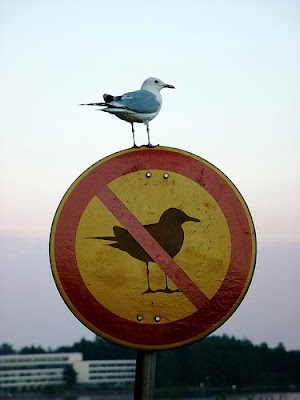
<point>155,84</point>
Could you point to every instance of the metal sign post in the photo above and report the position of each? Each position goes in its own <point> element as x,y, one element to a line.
<point>145,375</point>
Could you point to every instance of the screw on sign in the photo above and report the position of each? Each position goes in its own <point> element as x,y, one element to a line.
<point>153,248</point>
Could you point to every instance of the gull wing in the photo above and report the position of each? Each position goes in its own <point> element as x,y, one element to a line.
<point>141,101</point>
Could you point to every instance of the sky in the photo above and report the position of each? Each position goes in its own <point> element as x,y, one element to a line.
<point>235,66</point>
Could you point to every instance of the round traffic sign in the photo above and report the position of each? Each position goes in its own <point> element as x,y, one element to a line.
<point>152,248</point>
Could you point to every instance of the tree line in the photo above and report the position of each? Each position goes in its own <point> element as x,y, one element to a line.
<point>212,362</point>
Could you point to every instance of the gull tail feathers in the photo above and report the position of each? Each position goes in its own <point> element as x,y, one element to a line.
<point>93,104</point>
<point>115,110</point>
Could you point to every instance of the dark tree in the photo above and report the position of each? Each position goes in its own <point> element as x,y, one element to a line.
<point>6,349</point>
<point>32,350</point>
<point>70,375</point>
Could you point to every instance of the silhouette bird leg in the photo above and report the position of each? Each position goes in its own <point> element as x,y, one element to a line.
<point>132,130</point>
<point>167,289</point>
<point>149,290</point>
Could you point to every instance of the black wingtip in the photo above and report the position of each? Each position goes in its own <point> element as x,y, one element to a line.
<point>93,104</point>
<point>108,98</point>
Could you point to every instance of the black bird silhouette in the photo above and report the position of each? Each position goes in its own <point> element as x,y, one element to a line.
<point>167,232</point>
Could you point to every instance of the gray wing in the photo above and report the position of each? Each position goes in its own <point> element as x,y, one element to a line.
<point>141,101</point>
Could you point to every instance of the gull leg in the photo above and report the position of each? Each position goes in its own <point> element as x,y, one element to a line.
<point>132,130</point>
<point>148,133</point>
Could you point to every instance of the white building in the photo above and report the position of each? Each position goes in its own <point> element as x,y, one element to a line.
<point>38,370</point>
<point>105,371</point>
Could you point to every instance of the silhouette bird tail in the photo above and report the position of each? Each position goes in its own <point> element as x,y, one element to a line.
<point>102,237</point>
<point>116,245</point>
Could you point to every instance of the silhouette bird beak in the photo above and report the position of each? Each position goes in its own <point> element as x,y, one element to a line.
<point>193,219</point>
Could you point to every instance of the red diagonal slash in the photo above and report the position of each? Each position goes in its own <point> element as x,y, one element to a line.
<point>152,247</point>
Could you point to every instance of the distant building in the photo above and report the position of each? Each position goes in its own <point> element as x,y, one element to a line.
<point>39,370</point>
<point>105,371</point>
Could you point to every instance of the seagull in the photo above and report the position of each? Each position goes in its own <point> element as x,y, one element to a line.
<point>167,232</point>
<point>140,106</point>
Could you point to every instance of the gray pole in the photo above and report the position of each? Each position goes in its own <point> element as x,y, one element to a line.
<point>144,375</point>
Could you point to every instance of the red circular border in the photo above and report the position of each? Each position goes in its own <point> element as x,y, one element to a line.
<point>135,334</point>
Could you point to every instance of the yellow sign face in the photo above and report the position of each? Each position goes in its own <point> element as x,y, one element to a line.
<point>115,278</point>
<point>153,248</point>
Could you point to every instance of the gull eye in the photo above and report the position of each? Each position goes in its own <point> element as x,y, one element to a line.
<point>156,81</point>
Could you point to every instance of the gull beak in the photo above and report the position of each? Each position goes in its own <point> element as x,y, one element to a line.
<point>169,86</point>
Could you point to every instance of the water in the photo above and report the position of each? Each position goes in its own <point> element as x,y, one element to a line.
<point>129,396</point>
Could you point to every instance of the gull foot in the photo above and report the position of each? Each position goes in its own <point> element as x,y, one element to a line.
<point>149,145</point>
